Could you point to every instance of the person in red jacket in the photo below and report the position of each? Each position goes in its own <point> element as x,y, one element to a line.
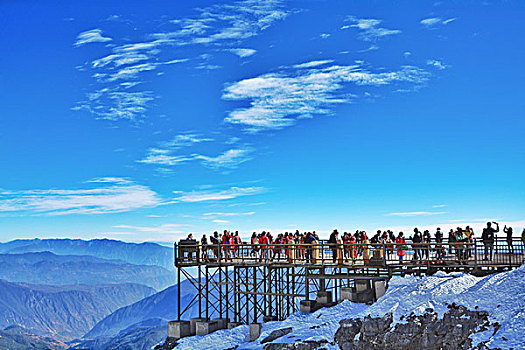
<point>353,247</point>
<point>263,240</point>
<point>400,245</point>
<point>226,244</point>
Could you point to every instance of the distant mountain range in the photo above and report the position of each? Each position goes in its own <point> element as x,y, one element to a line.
<point>49,268</point>
<point>63,312</point>
<point>19,338</point>
<point>154,310</point>
<point>133,253</point>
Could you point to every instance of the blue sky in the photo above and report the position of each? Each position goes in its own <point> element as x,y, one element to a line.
<point>140,121</point>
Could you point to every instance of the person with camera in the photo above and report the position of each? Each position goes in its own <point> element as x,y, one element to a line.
<point>508,231</point>
<point>488,236</point>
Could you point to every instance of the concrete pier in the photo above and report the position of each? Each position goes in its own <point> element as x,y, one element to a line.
<point>255,331</point>
<point>179,329</point>
<point>193,323</point>
<point>206,327</point>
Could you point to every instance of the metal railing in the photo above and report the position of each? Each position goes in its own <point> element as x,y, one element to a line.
<point>500,253</point>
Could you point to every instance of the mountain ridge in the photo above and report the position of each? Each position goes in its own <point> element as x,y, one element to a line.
<point>145,253</point>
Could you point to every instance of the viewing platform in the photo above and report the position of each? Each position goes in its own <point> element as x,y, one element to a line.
<point>234,284</point>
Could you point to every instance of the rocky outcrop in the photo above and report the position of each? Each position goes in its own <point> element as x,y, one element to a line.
<point>426,331</point>
<point>276,334</point>
<point>306,345</point>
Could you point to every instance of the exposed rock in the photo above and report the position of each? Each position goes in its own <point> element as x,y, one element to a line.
<point>277,334</point>
<point>306,345</point>
<point>425,331</point>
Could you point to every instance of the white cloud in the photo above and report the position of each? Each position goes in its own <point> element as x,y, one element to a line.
<point>112,104</point>
<point>324,36</point>
<point>369,28</point>
<point>162,229</point>
<point>184,140</point>
<point>216,195</point>
<point>217,221</point>
<point>416,213</point>
<point>277,100</point>
<point>243,52</point>
<point>229,214</point>
<point>437,64</point>
<point>91,36</point>
<point>159,157</point>
<point>118,195</point>
<point>225,25</point>
<point>312,64</point>
<point>439,206</point>
<point>229,159</point>
<point>431,22</point>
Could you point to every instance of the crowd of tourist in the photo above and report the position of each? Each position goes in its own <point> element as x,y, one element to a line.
<point>349,247</point>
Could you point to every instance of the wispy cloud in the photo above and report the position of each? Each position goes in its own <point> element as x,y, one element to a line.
<point>312,64</point>
<point>162,157</point>
<point>432,22</point>
<point>439,206</point>
<point>243,52</point>
<point>119,72</point>
<point>113,195</point>
<point>231,158</point>
<point>229,214</point>
<point>112,104</point>
<point>437,64</point>
<point>416,213</point>
<point>91,36</point>
<point>184,140</point>
<point>369,28</point>
<point>217,195</point>
<point>277,100</point>
<point>163,229</point>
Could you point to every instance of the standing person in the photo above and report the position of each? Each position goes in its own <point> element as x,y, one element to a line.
<point>469,233</point>
<point>290,249</point>
<point>214,239</point>
<point>451,240</point>
<point>426,246</point>
<point>346,245</point>
<point>332,241</point>
<point>277,248</point>
<point>416,240</point>
<point>255,245</point>
<point>488,236</point>
<point>508,231</point>
<point>460,247</point>
<point>400,246</point>
<point>204,247</point>
<point>308,241</point>
<point>226,244</point>
<point>263,240</point>
<point>440,252</point>
<point>353,248</point>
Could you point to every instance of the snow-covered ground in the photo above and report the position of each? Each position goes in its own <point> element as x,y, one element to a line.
<point>502,295</point>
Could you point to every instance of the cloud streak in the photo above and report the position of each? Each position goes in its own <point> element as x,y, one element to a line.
<point>417,213</point>
<point>217,195</point>
<point>229,159</point>
<point>369,29</point>
<point>113,195</point>
<point>125,67</point>
<point>433,22</point>
<point>278,100</point>
<point>91,36</point>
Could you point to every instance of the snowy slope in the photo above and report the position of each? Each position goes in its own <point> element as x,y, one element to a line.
<point>502,295</point>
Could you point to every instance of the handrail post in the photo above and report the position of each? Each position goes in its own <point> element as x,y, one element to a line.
<point>475,254</point>
<point>384,253</point>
